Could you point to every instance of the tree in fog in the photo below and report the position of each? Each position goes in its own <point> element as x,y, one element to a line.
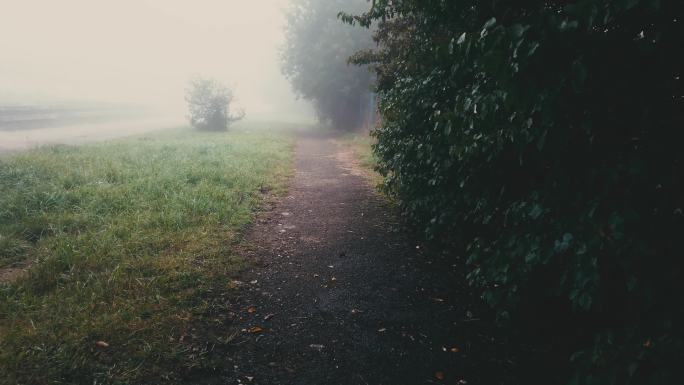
<point>315,60</point>
<point>209,105</point>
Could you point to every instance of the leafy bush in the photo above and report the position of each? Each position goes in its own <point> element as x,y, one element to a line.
<point>209,105</point>
<point>315,56</point>
<point>542,141</point>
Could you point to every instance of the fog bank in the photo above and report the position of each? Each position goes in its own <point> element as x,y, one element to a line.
<point>143,52</point>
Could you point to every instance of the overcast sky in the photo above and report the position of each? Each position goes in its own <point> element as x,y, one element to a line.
<point>143,51</point>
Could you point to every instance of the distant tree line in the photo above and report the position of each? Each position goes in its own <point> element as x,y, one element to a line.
<point>541,141</point>
<point>315,60</point>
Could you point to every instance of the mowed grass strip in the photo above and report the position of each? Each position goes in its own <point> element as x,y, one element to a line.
<point>130,243</point>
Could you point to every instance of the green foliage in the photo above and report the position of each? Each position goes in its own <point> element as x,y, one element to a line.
<point>131,243</point>
<point>315,60</point>
<point>209,105</point>
<point>541,139</point>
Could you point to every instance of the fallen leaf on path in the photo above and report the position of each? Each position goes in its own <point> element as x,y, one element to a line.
<point>255,329</point>
<point>102,344</point>
<point>228,339</point>
<point>439,375</point>
<point>251,309</point>
<point>268,317</point>
<point>455,350</point>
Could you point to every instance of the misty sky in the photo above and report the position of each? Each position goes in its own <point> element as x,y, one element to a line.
<point>143,51</point>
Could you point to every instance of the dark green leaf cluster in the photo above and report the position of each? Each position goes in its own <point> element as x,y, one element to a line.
<point>543,141</point>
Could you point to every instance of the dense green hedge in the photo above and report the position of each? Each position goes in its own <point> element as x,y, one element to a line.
<point>543,141</point>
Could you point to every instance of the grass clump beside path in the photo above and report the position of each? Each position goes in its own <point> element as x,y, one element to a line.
<point>361,145</point>
<point>131,248</point>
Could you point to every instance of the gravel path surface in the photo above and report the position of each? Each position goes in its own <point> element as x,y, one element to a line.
<point>338,295</point>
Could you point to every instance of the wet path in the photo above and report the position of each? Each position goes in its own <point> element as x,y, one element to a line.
<point>337,294</point>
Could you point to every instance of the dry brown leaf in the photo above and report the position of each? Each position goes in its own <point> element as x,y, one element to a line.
<point>439,375</point>
<point>102,344</point>
<point>251,309</point>
<point>455,350</point>
<point>255,329</point>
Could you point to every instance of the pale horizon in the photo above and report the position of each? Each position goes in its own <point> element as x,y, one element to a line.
<point>142,52</point>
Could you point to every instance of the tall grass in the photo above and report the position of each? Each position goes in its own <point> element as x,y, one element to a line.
<point>130,244</point>
<point>361,144</point>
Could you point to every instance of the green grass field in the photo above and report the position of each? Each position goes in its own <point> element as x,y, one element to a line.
<point>130,244</point>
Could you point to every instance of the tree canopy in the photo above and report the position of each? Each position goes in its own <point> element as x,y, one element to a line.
<point>209,105</point>
<point>315,60</point>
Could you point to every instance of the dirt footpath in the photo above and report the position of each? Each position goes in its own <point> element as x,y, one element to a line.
<point>339,295</point>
